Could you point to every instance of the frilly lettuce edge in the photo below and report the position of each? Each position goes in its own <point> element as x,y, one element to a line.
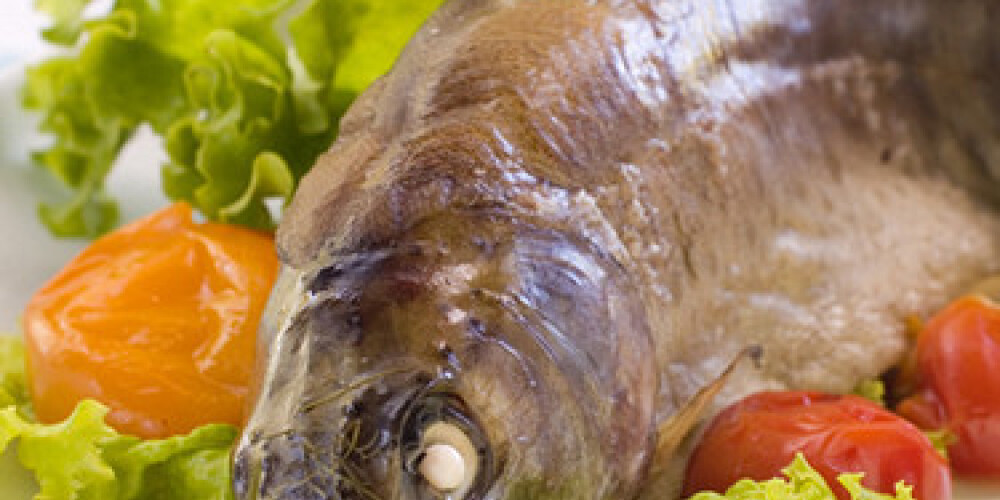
<point>246,94</point>
<point>82,458</point>
<point>802,482</point>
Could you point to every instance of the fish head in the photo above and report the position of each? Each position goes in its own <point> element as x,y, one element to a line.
<point>472,359</point>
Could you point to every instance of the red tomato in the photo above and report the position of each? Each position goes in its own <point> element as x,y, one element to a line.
<point>958,361</point>
<point>760,435</point>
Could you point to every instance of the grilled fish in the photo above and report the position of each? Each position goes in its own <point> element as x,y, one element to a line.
<point>554,223</point>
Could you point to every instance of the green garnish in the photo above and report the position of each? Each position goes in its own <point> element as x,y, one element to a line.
<point>245,93</point>
<point>803,483</point>
<point>13,387</point>
<point>871,389</point>
<point>82,458</point>
<point>941,440</point>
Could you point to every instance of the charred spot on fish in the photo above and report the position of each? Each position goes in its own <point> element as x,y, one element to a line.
<point>448,356</point>
<point>886,156</point>
<point>483,245</point>
<point>354,320</point>
<point>325,278</point>
<point>339,320</point>
<point>344,270</point>
<point>756,354</point>
<point>477,328</point>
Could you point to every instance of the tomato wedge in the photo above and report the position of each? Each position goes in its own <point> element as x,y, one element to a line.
<point>157,320</point>
<point>958,387</point>
<point>758,436</point>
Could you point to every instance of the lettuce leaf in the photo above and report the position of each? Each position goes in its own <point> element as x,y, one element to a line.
<point>803,483</point>
<point>82,458</point>
<point>245,93</point>
<point>871,389</point>
<point>13,389</point>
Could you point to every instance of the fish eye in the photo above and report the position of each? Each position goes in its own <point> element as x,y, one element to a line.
<point>448,461</point>
<point>444,453</point>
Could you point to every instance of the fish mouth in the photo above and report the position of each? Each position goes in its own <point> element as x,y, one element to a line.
<point>362,445</point>
<point>280,467</point>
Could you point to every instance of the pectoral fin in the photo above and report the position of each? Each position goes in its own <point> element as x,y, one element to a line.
<point>674,430</point>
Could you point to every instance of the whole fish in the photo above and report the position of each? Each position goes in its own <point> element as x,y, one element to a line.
<point>539,241</point>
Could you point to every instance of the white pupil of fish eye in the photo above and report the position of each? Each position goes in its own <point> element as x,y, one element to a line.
<point>443,467</point>
<point>449,461</point>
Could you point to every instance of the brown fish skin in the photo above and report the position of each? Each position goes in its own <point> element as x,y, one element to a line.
<point>554,222</point>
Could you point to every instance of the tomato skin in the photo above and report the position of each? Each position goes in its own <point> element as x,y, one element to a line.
<point>760,435</point>
<point>157,320</point>
<point>958,361</point>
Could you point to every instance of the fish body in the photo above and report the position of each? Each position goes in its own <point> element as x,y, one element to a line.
<point>553,223</point>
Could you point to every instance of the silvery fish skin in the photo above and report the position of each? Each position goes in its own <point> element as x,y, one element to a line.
<point>554,222</point>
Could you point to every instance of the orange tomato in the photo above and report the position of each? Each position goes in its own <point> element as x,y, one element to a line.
<point>758,436</point>
<point>157,320</point>
<point>958,366</point>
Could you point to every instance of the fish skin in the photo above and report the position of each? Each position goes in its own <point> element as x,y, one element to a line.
<point>554,223</point>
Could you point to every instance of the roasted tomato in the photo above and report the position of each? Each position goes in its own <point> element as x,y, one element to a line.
<point>157,321</point>
<point>958,386</point>
<point>758,436</point>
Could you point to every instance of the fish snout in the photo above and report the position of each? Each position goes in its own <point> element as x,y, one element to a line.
<point>404,440</point>
<point>281,467</point>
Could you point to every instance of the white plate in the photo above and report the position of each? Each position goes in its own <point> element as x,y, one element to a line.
<point>29,254</point>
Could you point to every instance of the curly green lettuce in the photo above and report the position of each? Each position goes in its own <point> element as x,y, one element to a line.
<point>802,483</point>
<point>871,389</point>
<point>245,94</point>
<point>82,458</point>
